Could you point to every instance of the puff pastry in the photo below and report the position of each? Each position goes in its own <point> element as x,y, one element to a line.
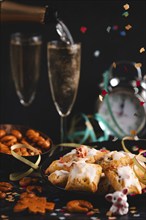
<point>59,178</point>
<point>84,177</point>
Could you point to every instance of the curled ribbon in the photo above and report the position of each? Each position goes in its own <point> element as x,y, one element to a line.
<point>138,161</point>
<point>34,166</point>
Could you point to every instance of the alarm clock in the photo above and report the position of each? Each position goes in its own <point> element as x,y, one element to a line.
<point>120,109</point>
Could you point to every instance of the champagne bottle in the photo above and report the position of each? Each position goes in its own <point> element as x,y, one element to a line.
<point>16,12</point>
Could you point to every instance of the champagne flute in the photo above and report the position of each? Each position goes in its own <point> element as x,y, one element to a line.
<point>64,73</point>
<point>25,52</point>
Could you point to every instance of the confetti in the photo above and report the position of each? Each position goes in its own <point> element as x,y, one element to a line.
<point>96,53</point>
<point>104,92</point>
<point>138,83</point>
<point>83,29</point>
<point>122,33</point>
<point>132,208</point>
<point>125,14</point>
<point>134,148</point>
<point>133,211</point>
<point>62,218</point>
<point>126,6</point>
<point>4,216</point>
<point>67,214</point>
<point>140,150</point>
<point>112,217</point>
<point>114,64</point>
<point>128,27</point>
<point>142,50</point>
<point>133,132</point>
<point>108,29</point>
<point>94,218</point>
<point>115,27</point>
<point>101,98</point>
<point>138,65</point>
<point>57,210</point>
<point>136,215</point>
<point>53,214</point>
<point>90,213</point>
<point>142,103</point>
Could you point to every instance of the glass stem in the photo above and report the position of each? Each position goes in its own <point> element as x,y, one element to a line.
<point>63,129</point>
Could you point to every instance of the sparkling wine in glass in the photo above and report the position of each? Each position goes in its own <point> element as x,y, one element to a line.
<point>25,53</point>
<point>64,73</point>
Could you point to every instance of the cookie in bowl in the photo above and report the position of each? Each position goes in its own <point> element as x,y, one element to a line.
<point>13,135</point>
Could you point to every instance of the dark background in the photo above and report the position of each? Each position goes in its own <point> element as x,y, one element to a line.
<point>96,16</point>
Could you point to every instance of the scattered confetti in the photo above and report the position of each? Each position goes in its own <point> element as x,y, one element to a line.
<point>108,29</point>
<point>62,218</point>
<point>83,29</point>
<point>128,27</point>
<point>136,90</point>
<point>115,139</point>
<point>126,6</point>
<point>132,208</point>
<point>96,53</point>
<point>53,214</point>
<point>114,64</point>
<point>136,215</point>
<point>112,217</point>
<point>142,103</point>
<point>133,132</point>
<point>133,211</point>
<point>67,214</point>
<point>142,50</point>
<point>104,92</point>
<point>115,27</point>
<point>138,65</point>
<point>101,98</point>
<point>57,210</point>
<point>140,150</point>
<point>122,33</point>
<point>4,216</point>
<point>125,14</point>
<point>138,83</point>
<point>134,148</point>
<point>94,218</point>
<point>90,213</point>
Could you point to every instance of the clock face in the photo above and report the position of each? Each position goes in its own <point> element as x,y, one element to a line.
<point>127,111</point>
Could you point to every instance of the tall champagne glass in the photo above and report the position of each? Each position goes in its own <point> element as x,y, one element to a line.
<point>25,52</point>
<point>64,73</point>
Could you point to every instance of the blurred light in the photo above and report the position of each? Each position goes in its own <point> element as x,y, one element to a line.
<point>114,82</point>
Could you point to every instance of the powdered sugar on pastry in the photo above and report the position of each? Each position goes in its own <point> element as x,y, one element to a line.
<point>84,177</point>
<point>83,170</point>
<point>126,174</point>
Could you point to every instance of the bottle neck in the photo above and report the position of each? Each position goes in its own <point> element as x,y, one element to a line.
<point>15,12</point>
